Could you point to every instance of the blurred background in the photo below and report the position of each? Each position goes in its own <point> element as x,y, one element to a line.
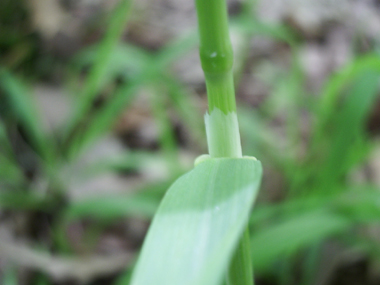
<point>101,109</point>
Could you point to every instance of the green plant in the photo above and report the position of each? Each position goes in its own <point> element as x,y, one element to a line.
<point>198,225</point>
<point>318,200</point>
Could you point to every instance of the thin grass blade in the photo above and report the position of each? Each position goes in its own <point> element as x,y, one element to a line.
<point>24,109</point>
<point>94,81</point>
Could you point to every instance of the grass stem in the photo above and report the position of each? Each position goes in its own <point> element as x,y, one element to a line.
<point>239,272</point>
<point>222,127</point>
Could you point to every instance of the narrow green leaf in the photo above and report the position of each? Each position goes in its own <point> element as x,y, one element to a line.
<point>24,108</point>
<point>282,230</point>
<point>5,144</point>
<point>112,207</point>
<point>332,90</point>
<point>199,223</point>
<point>105,117</point>
<point>175,50</point>
<point>9,170</point>
<point>125,60</point>
<point>18,200</point>
<point>184,103</point>
<point>350,122</point>
<point>247,24</point>
<point>147,68</point>
<point>93,84</point>
<point>287,237</point>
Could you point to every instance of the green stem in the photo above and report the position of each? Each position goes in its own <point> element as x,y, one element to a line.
<point>216,54</point>
<point>222,127</point>
<point>239,271</point>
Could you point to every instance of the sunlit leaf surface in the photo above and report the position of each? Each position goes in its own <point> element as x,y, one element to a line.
<point>198,224</point>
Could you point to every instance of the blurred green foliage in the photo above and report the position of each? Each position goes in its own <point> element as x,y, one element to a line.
<point>319,201</point>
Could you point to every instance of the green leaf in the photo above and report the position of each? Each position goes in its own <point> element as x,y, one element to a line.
<point>4,140</point>
<point>112,207</point>
<point>199,223</point>
<point>23,107</point>
<point>10,171</point>
<point>18,200</point>
<point>332,90</point>
<point>104,53</point>
<point>103,119</point>
<point>346,139</point>
<point>146,69</point>
<point>288,236</point>
<point>246,24</point>
<point>125,60</point>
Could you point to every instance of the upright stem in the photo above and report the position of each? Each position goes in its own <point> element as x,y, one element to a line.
<point>222,127</point>
<point>216,54</point>
<point>240,271</point>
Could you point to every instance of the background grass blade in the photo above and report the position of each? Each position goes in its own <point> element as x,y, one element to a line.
<point>348,136</point>
<point>94,81</point>
<point>287,237</point>
<point>199,223</point>
<point>23,108</point>
<point>112,207</point>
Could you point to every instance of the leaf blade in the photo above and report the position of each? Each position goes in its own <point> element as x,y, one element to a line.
<point>199,223</point>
